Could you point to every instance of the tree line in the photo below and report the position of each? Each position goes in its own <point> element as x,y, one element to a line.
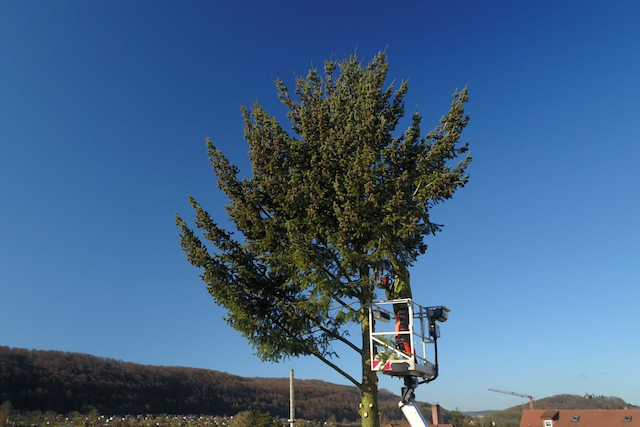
<point>39,380</point>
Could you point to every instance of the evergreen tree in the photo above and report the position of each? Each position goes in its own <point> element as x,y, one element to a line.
<point>5,411</point>
<point>251,419</point>
<point>326,209</point>
<point>459,420</point>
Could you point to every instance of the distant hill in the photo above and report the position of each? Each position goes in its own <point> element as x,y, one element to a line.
<point>64,382</point>
<point>513,415</point>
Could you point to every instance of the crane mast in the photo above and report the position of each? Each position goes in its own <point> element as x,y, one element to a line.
<point>513,393</point>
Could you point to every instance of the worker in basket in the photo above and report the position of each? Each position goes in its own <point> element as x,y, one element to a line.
<point>399,289</point>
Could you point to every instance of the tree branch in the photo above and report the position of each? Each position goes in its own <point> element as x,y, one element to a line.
<point>340,338</point>
<point>344,304</point>
<point>337,369</point>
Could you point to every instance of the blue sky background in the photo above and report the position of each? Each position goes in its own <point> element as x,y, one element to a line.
<point>104,106</point>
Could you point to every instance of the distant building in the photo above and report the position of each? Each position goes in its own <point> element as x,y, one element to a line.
<point>581,418</point>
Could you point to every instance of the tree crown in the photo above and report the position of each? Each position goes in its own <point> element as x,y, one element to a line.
<point>326,207</point>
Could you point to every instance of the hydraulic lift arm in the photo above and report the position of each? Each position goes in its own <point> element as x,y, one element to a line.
<point>408,404</point>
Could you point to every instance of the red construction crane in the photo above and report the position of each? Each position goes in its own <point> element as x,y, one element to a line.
<point>515,394</point>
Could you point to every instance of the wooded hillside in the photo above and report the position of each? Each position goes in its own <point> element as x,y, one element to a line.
<point>63,382</point>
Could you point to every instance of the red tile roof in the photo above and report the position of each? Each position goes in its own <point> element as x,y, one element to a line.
<point>586,418</point>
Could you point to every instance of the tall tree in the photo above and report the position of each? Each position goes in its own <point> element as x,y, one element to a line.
<point>326,208</point>
<point>5,412</point>
<point>251,419</point>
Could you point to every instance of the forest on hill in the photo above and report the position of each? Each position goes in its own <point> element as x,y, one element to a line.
<point>39,380</point>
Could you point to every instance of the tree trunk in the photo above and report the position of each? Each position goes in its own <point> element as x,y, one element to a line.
<point>369,410</point>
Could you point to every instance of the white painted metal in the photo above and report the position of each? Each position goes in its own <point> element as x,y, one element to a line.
<point>412,414</point>
<point>389,360</point>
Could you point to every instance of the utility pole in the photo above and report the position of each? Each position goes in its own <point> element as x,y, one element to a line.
<point>292,402</point>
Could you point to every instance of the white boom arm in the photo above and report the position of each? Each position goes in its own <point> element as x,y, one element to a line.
<point>412,414</point>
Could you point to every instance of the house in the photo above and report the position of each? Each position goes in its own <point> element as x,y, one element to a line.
<point>581,418</point>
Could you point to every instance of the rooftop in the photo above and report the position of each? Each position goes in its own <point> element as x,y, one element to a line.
<point>581,418</point>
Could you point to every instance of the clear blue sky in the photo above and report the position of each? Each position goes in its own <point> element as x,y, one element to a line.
<point>104,106</point>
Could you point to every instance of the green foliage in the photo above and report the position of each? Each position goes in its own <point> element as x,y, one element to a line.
<point>251,419</point>
<point>459,420</point>
<point>325,208</point>
<point>5,411</point>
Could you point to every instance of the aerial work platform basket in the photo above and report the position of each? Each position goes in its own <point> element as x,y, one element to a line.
<point>422,333</point>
